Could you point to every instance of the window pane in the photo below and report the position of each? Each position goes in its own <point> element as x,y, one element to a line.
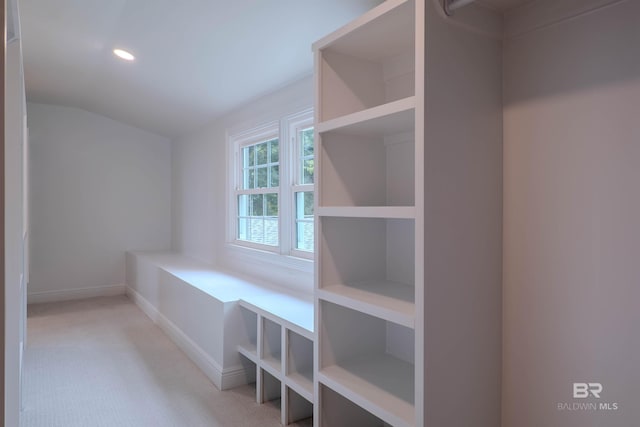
<point>308,204</point>
<point>249,178</point>
<point>307,171</point>
<point>262,177</point>
<point>256,205</point>
<point>304,232</point>
<point>256,230</point>
<point>272,204</point>
<point>304,220</point>
<point>249,153</point>
<point>243,205</point>
<point>305,159</point>
<point>261,153</point>
<point>306,137</point>
<point>304,205</point>
<point>275,176</point>
<point>271,232</point>
<point>275,151</point>
<point>242,229</point>
<point>258,218</point>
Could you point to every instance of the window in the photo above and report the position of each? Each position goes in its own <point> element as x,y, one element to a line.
<point>303,189</point>
<point>258,193</point>
<point>272,192</point>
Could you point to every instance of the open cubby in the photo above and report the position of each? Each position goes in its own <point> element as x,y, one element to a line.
<point>249,369</point>
<point>369,262</point>
<point>271,388</point>
<point>300,362</point>
<point>336,411</point>
<point>369,170</point>
<point>272,344</point>
<point>369,66</point>
<point>285,358</point>
<point>249,340</point>
<point>377,373</point>
<point>298,408</point>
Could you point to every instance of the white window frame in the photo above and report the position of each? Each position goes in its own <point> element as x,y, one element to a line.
<point>238,141</point>
<point>297,123</point>
<point>286,131</point>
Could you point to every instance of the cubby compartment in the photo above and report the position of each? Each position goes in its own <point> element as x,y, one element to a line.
<point>300,364</point>
<point>368,66</point>
<point>360,169</point>
<point>336,411</point>
<point>249,368</point>
<point>249,334</point>
<point>298,408</point>
<point>368,264</point>
<point>370,361</point>
<point>270,388</point>
<point>271,345</point>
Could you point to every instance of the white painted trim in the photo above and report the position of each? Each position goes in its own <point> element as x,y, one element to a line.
<point>73,294</point>
<point>269,259</point>
<point>143,304</point>
<point>236,139</point>
<point>234,377</point>
<point>222,379</point>
<point>205,362</point>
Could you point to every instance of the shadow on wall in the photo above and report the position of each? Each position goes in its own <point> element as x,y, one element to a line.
<point>594,49</point>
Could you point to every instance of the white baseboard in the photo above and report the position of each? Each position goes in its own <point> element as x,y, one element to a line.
<point>222,379</point>
<point>235,377</point>
<point>73,294</point>
<point>143,304</point>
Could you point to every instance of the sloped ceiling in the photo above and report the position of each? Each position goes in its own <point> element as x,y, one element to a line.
<point>196,59</point>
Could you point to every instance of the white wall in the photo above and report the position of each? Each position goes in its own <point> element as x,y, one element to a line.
<point>14,228</point>
<point>571,212</point>
<point>463,218</point>
<point>98,188</point>
<point>200,180</point>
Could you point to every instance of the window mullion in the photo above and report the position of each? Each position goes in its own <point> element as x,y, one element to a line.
<point>285,183</point>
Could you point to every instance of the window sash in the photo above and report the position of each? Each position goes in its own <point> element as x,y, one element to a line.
<point>269,165</point>
<point>241,165</point>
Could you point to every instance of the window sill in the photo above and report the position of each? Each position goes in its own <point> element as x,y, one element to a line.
<point>296,264</point>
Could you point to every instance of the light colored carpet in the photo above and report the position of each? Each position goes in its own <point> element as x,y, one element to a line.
<point>102,362</point>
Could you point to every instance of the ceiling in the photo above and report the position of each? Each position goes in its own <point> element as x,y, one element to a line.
<point>196,59</point>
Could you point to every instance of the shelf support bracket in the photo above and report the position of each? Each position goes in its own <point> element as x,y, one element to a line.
<point>450,5</point>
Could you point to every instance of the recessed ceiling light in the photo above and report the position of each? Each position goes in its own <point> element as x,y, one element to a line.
<point>123,54</point>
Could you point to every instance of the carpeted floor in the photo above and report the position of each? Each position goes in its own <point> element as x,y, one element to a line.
<point>102,363</point>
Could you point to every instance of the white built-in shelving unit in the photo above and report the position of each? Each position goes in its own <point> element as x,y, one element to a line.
<point>369,148</point>
<point>278,347</point>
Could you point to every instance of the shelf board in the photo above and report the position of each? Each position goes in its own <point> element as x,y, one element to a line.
<point>390,212</point>
<point>382,385</point>
<point>272,364</point>
<point>249,351</point>
<point>368,37</point>
<point>384,120</point>
<point>386,300</point>
<point>301,383</point>
<point>294,313</point>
